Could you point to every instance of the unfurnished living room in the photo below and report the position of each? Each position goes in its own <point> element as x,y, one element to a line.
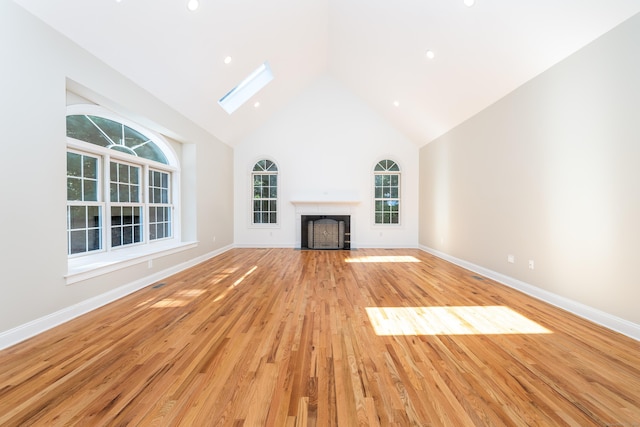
<point>320,213</point>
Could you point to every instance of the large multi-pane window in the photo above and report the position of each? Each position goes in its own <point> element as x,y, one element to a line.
<point>387,192</point>
<point>265,192</point>
<point>118,186</point>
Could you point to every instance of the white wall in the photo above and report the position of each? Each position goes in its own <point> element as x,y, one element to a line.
<point>549,173</point>
<point>38,67</point>
<point>326,143</point>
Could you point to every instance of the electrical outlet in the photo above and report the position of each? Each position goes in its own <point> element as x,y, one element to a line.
<point>511,259</point>
<point>531,265</point>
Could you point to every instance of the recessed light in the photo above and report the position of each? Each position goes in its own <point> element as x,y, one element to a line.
<point>256,104</point>
<point>469,3</point>
<point>227,59</point>
<point>192,5</point>
<point>396,104</point>
<point>430,54</point>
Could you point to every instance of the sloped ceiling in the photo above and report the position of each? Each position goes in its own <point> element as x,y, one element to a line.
<point>374,48</point>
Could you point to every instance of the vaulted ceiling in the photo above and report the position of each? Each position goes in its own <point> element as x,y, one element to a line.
<point>374,48</point>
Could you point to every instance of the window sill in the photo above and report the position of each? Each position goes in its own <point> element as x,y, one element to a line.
<point>90,266</point>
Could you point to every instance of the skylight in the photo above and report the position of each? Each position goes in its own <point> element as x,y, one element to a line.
<point>247,88</point>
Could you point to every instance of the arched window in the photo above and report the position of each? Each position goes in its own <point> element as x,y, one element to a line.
<point>387,192</point>
<point>120,183</point>
<point>264,178</point>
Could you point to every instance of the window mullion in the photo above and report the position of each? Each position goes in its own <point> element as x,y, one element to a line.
<point>144,184</point>
<point>106,199</point>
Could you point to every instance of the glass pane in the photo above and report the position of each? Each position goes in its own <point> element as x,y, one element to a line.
<point>127,235</point>
<point>123,173</point>
<point>386,218</point>
<point>160,231</point>
<point>152,214</point>
<point>74,164</point>
<point>113,171</point>
<point>93,217</point>
<point>77,217</point>
<point>378,180</point>
<point>134,176</point>
<point>157,195</point>
<point>136,234</point>
<point>394,218</point>
<point>90,167</point>
<point>135,193</point>
<point>256,218</point>
<point>272,218</point>
<point>116,216</point>
<point>394,180</point>
<point>273,206</point>
<point>113,190</point>
<point>386,180</point>
<point>116,236</point>
<point>256,205</point>
<point>109,127</point>
<point>74,189</point>
<point>273,180</point>
<point>167,229</point>
<point>78,241</point>
<point>127,217</point>
<point>264,218</point>
<point>165,180</point>
<point>91,190</point>
<point>378,218</point>
<point>123,190</point>
<point>379,205</point>
<point>394,192</point>
<point>265,180</point>
<point>93,240</point>
<point>79,127</point>
<point>165,196</point>
<point>143,147</point>
<point>136,215</point>
<point>152,232</point>
<point>378,192</point>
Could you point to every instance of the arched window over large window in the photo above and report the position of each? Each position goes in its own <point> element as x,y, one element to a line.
<point>264,178</point>
<point>122,181</point>
<point>386,192</point>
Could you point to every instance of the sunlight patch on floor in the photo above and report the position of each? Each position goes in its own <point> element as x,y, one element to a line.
<point>236,283</point>
<point>181,298</point>
<point>473,320</point>
<point>390,258</point>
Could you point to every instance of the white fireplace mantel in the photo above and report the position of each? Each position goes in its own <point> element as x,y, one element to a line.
<point>326,198</point>
<point>323,203</point>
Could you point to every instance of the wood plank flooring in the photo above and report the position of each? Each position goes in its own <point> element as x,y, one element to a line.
<point>283,337</point>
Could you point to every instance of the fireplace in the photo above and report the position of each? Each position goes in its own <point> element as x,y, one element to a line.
<point>325,232</point>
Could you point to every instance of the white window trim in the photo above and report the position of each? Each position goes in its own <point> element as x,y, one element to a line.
<point>373,195</point>
<point>275,225</point>
<point>85,266</point>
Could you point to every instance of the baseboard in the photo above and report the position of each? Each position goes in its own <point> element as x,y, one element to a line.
<point>602,318</point>
<point>37,326</point>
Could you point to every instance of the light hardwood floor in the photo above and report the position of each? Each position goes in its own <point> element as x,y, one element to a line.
<point>283,337</point>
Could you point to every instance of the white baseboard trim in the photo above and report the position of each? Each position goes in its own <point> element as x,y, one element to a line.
<point>37,326</point>
<point>594,315</point>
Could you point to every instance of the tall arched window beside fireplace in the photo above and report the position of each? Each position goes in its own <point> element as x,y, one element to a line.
<point>386,193</point>
<point>264,178</point>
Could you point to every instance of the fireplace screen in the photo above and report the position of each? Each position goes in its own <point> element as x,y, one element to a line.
<point>325,234</point>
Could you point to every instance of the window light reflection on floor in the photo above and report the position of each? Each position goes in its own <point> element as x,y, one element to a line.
<point>236,283</point>
<point>374,258</point>
<point>181,298</point>
<point>472,320</point>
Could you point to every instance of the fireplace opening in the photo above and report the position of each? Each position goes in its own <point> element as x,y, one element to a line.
<point>326,232</point>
